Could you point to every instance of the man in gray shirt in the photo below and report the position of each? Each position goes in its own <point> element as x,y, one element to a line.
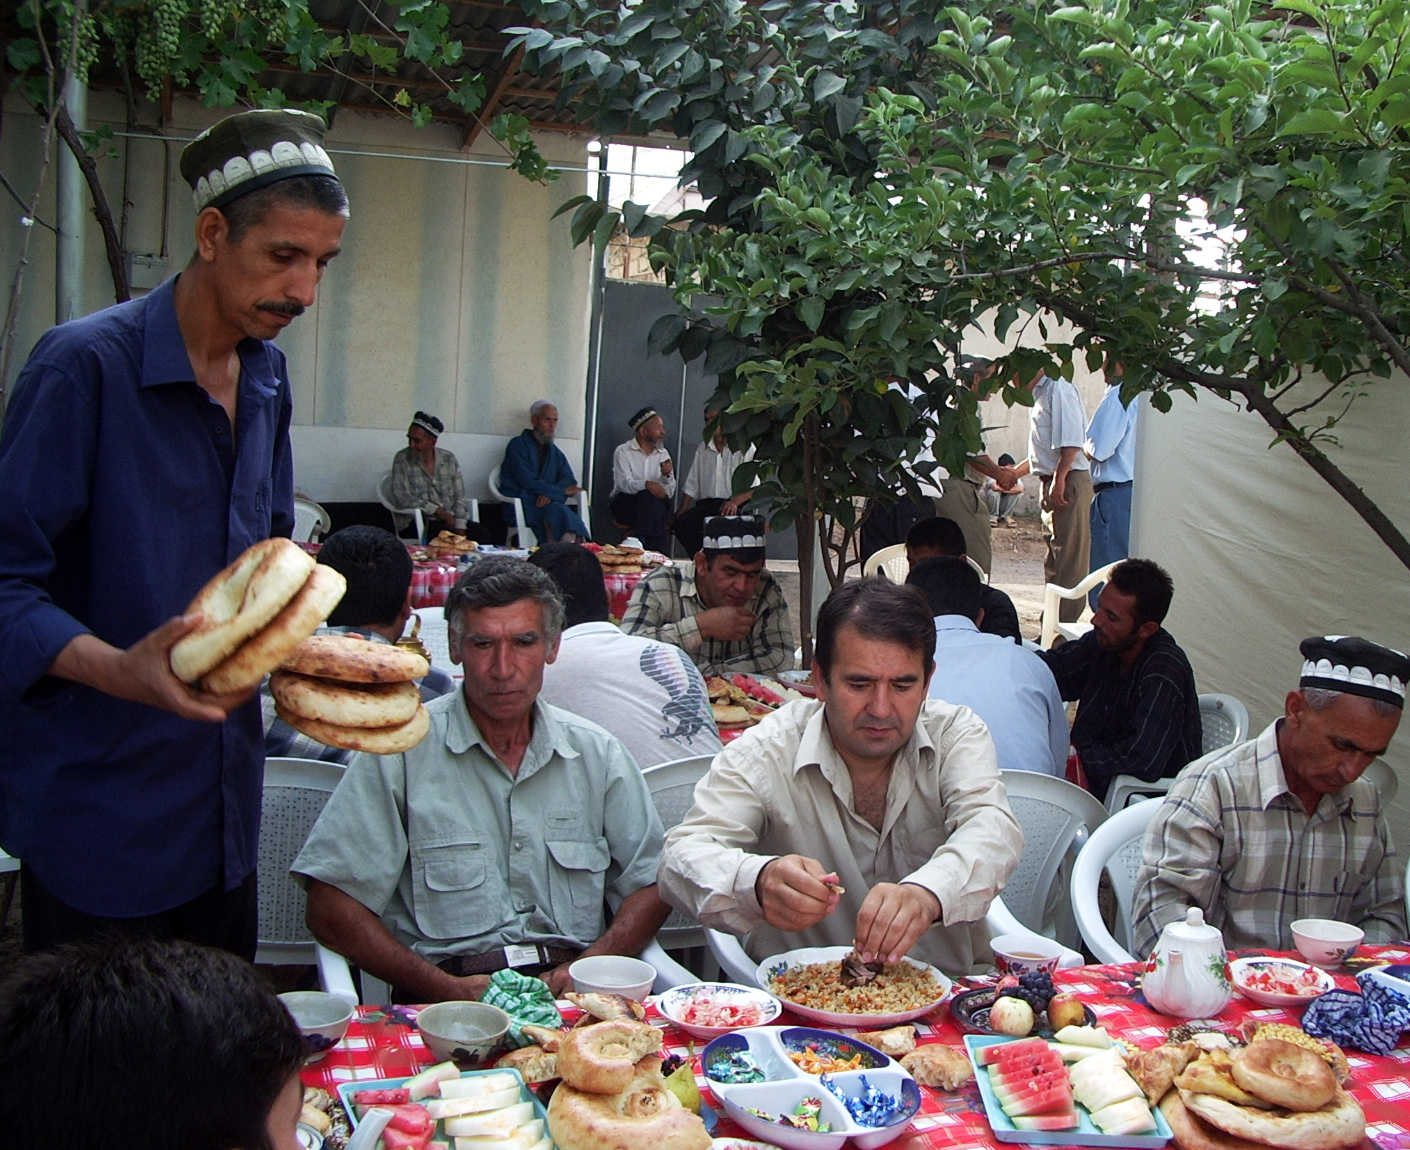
<point>489,844</point>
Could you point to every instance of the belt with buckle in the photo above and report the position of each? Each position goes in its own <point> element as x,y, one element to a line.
<point>513,957</point>
<point>1116,483</point>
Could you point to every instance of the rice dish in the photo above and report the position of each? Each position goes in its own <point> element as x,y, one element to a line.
<point>899,987</point>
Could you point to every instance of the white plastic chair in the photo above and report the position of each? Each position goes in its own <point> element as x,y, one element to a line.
<point>1225,721</point>
<point>311,521</point>
<point>1115,847</point>
<point>892,560</point>
<point>399,514</point>
<point>1057,818</point>
<point>1384,777</point>
<point>1123,790</point>
<point>295,791</point>
<point>524,536</point>
<point>1053,595</point>
<point>672,787</point>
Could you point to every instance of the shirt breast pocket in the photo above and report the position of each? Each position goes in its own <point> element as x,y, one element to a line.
<point>449,889</point>
<point>576,885</point>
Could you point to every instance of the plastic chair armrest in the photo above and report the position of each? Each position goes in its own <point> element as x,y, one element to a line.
<point>334,975</point>
<point>729,953</point>
<point>669,972</point>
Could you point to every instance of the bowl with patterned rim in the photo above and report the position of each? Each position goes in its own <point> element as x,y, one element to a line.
<point>883,1016</point>
<point>1279,981</point>
<point>728,1005</point>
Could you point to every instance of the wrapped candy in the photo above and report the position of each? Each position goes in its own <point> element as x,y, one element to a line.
<point>806,1116</point>
<point>872,1107</point>
<point>738,1066</point>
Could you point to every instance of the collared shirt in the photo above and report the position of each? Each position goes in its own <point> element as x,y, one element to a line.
<point>781,788</point>
<point>124,490</point>
<point>712,472</point>
<point>282,741</point>
<point>444,487</point>
<point>633,469</point>
<point>664,605</point>
<point>456,856</point>
<point>1111,438</point>
<point>1143,721</point>
<point>1011,689</point>
<point>1232,839</point>
<point>1056,420</point>
<point>648,694</point>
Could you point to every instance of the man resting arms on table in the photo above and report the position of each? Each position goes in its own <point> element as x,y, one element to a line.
<point>873,816</point>
<point>489,845</point>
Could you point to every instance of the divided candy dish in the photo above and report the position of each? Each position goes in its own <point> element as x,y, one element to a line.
<point>806,1089</point>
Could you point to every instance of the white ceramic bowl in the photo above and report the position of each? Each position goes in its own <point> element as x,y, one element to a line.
<point>322,1019</point>
<point>810,954</point>
<point>1241,969</point>
<point>675,1001</point>
<point>466,1033</point>
<point>1326,942</point>
<point>613,974</point>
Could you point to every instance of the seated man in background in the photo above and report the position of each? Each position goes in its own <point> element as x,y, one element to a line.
<point>708,488</point>
<point>648,694</point>
<point>1001,494</point>
<point>496,841</point>
<point>1009,688</point>
<point>376,606</point>
<point>1283,826</point>
<point>728,614</point>
<point>539,475</point>
<point>934,537</point>
<point>872,816</point>
<point>1137,710</point>
<point>644,481</point>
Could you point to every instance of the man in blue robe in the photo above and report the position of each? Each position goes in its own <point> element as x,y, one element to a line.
<point>539,475</point>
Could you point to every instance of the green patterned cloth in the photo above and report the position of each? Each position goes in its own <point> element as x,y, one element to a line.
<point>527,1001</point>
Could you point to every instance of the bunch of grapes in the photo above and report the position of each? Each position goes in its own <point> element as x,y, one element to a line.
<point>1035,988</point>
<point>213,15</point>
<point>159,42</point>
<point>85,43</point>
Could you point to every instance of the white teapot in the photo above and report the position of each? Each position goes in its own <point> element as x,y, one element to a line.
<point>1187,974</point>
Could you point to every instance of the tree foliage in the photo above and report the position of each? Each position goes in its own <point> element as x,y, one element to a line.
<point>1215,194</point>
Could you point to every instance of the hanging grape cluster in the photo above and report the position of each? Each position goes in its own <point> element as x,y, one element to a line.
<point>159,42</point>
<point>214,15</point>
<point>86,45</point>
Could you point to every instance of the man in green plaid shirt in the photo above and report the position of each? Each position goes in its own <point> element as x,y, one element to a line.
<point>728,613</point>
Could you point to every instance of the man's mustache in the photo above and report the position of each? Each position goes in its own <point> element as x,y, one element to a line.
<point>288,307</point>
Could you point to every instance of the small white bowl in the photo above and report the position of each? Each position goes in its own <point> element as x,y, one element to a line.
<point>1241,968</point>
<point>1325,942</point>
<point>322,1019</point>
<point>466,1033</point>
<point>677,1000</point>
<point>1025,953</point>
<point>613,974</point>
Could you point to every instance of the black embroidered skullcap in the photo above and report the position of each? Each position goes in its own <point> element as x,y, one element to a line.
<point>252,150</point>
<point>427,423</point>
<point>734,533</point>
<point>1355,667</point>
<point>641,417</point>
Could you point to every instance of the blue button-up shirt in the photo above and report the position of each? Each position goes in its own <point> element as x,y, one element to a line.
<point>124,492</point>
<point>1111,439</point>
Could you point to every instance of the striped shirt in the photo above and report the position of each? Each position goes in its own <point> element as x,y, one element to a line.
<point>412,487</point>
<point>664,605</point>
<point>1231,839</point>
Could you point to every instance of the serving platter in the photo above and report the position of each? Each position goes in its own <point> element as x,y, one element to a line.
<point>806,956</point>
<point>784,1084</point>
<point>346,1090</point>
<point>970,1010</point>
<point>1086,1134</point>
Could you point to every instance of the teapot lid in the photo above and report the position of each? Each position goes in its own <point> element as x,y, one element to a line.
<point>1194,928</point>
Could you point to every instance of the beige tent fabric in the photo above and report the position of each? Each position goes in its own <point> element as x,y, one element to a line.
<point>1264,553</point>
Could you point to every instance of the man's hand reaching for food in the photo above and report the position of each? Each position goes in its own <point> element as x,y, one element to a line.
<point>795,892</point>
<point>892,919</point>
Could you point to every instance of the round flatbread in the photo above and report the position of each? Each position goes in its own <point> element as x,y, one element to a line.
<point>355,660</point>
<point>726,714</point>
<point>345,704</point>
<point>1340,1123</point>
<point>261,653</point>
<point>1193,1133</point>
<point>1290,1076</point>
<point>373,740</point>
<point>237,602</point>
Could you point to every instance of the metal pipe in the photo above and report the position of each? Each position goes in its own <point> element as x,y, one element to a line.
<point>71,213</point>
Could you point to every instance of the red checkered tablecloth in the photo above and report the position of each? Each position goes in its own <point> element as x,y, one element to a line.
<point>383,1043</point>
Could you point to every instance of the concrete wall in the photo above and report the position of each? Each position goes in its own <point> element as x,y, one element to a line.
<point>455,293</point>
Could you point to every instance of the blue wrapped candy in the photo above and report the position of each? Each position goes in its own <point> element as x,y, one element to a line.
<point>1371,1021</point>
<point>872,1107</point>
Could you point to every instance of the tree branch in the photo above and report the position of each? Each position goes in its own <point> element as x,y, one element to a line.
<point>101,212</point>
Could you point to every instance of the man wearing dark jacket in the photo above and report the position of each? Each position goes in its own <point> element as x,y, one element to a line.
<point>536,472</point>
<point>1138,712</point>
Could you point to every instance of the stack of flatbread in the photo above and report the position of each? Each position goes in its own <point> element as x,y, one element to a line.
<point>1272,1092</point>
<point>734,709</point>
<point>622,560</point>
<point>352,693</point>
<point>448,545</point>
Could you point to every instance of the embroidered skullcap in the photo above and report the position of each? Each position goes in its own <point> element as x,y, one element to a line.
<point>733,533</point>
<point>427,423</point>
<point>1355,667</point>
<point>641,417</point>
<point>539,404</point>
<point>252,150</point>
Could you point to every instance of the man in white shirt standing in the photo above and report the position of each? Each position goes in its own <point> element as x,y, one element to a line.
<point>1056,432</point>
<point>1111,446</point>
<point>644,481</point>
<point>1011,689</point>
<point>708,488</point>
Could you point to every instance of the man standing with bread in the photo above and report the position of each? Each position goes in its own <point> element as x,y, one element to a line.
<point>146,447</point>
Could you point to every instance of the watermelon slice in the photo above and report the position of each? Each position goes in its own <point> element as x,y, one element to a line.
<point>1025,1080</point>
<point>394,1139</point>
<point>411,1118</point>
<point>427,1084</point>
<point>1068,1121</point>
<point>1054,1100</point>
<point>1020,1067</point>
<point>1016,1093</point>
<point>1002,1051</point>
<point>396,1097</point>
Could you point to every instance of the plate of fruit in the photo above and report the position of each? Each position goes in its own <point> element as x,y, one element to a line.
<point>1020,1005</point>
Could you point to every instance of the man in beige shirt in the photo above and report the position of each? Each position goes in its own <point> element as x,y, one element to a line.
<point>873,817</point>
